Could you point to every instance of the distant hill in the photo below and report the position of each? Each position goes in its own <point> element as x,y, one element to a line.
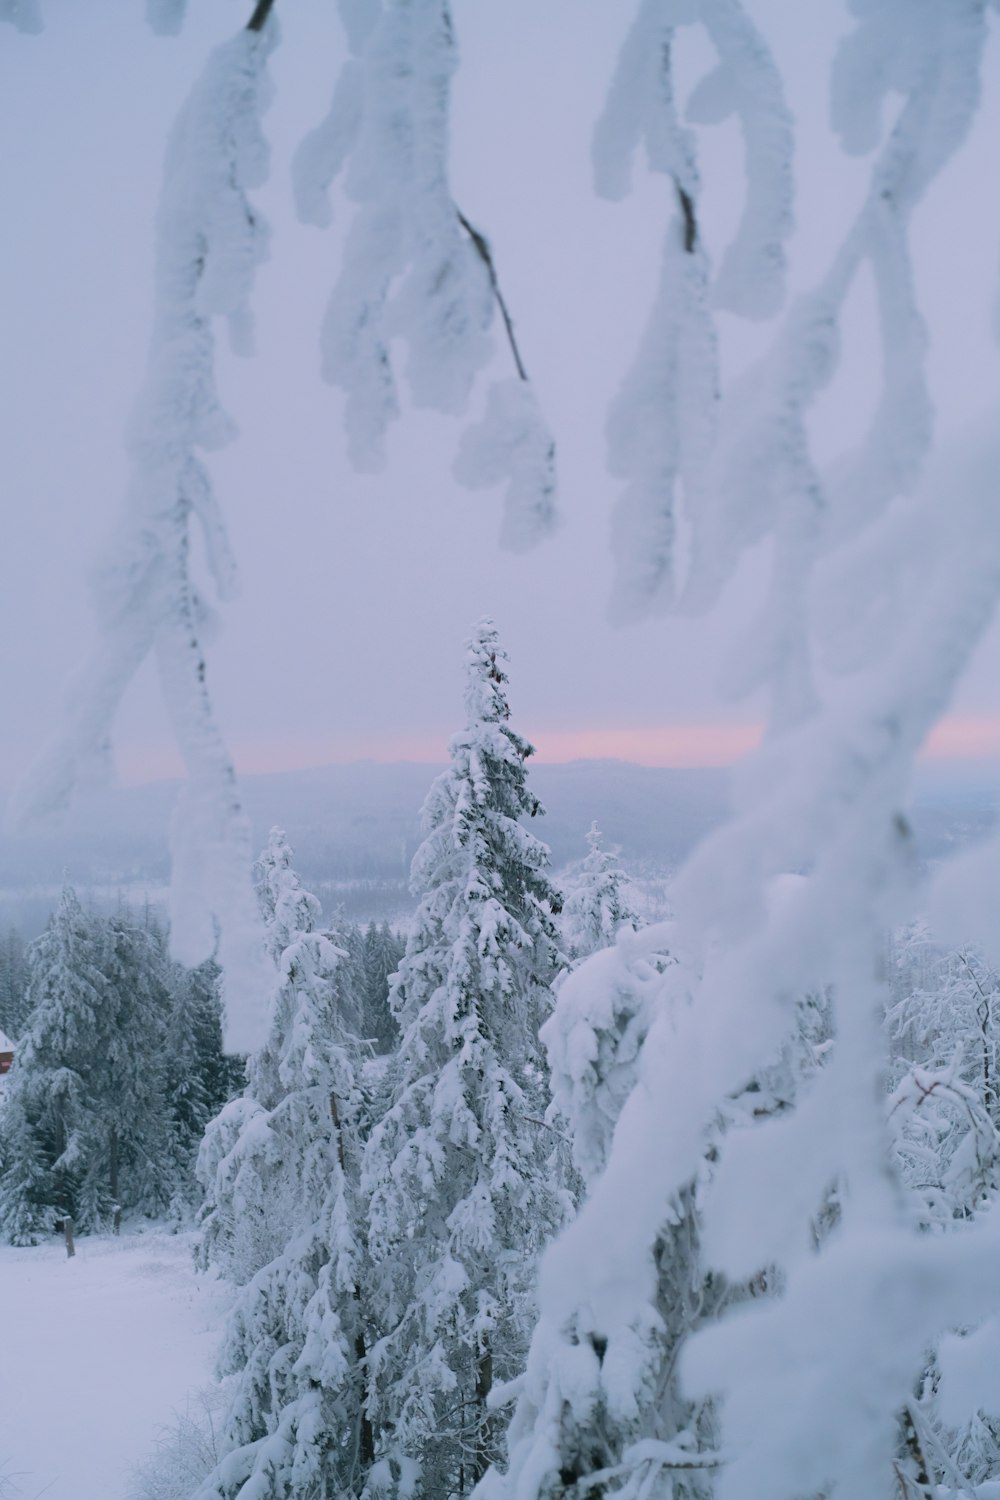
<point>355,827</point>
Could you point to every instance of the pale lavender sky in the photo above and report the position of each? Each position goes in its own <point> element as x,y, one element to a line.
<point>357,591</point>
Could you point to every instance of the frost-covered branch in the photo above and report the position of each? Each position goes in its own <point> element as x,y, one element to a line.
<point>258,20</point>
<point>485,254</point>
<point>210,241</point>
<point>810,1383</point>
<point>414,268</point>
<point>166,17</point>
<point>25,15</point>
<point>662,426</point>
<point>764,479</point>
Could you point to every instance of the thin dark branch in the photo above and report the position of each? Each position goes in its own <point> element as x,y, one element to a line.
<point>915,1449</point>
<point>261,12</point>
<point>482,248</point>
<point>535,1120</point>
<point>973,976</point>
<point>690,222</point>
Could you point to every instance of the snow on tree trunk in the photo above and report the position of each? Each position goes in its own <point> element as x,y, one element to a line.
<point>209,243</point>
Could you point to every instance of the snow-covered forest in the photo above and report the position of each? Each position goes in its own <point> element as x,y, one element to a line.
<point>533,1197</point>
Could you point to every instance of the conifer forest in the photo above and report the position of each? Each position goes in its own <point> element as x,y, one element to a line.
<point>605,1177</point>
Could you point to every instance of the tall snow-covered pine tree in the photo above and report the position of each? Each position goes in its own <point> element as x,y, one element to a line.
<point>458,1171</point>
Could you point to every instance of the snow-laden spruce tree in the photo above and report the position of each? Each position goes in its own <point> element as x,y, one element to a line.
<point>127,1064</point>
<point>462,1186</point>
<point>198,1078</point>
<point>295,1343</point>
<point>890,584</point>
<point>250,1196</point>
<point>86,1124</point>
<point>374,953</point>
<point>56,1151</point>
<point>13,983</point>
<point>595,901</point>
<point>381,955</point>
<point>209,242</point>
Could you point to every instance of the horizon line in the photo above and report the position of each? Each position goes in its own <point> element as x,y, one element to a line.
<point>705,745</point>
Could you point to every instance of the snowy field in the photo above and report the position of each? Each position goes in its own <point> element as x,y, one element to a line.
<point>96,1355</point>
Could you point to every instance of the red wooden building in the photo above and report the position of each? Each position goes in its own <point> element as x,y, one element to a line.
<point>6,1053</point>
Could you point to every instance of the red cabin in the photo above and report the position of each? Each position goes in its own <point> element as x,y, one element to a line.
<point>6,1053</point>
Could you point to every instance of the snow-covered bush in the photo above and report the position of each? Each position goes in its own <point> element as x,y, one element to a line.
<point>186,1449</point>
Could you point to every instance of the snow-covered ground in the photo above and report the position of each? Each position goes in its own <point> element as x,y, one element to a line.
<point>96,1355</point>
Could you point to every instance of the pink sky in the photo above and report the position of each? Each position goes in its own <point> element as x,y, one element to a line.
<point>705,744</point>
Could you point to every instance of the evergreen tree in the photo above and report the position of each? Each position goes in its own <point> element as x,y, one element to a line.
<point>296,1339</point>
<point>14,1006</point>
<point>596,903</point>
<point>382,954</point>
<point>458,1172</point>
<point>56,1145</point>
<point>199,1078</point>
<point>126,1070</point>
<point>105,1080</point>
<point>250,1195</point>
<point>285,908</point>
<point>372,956</point>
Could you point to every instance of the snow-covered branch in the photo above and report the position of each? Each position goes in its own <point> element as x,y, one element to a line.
<point>662,426</point>
<point>826,795</point>
<point>25,15</point>
<point>415,269</point>
<point>764,480</point>
<point>210,241</point>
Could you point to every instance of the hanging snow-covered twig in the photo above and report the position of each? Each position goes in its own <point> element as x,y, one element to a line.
<point>764,479</point>
<point>166,17</point>
<point>662,425</point>
<point>746,82</point>
<point>415,268</point>
<point>210,241</point>
<point>25,15</point>
<point>512,442</point>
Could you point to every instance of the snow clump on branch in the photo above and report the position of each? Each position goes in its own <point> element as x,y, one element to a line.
<point>414,268</point>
